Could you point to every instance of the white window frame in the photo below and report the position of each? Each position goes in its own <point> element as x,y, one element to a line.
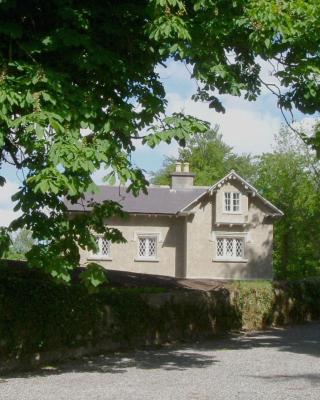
<point>99,255</point>
<point>233,195</point>
<point>234,236</point>
<point>148,236</point>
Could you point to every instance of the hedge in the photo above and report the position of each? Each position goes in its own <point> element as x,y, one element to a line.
<point>38,316</point>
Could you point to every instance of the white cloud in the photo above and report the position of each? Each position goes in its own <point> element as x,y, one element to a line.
<point>6,192</point>
<point>7,216</point>
<point>244,127</point>
<point>268,69</point>
<point>175,70</point>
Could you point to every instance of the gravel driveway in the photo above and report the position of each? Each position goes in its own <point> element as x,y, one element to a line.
<point>277,364</point>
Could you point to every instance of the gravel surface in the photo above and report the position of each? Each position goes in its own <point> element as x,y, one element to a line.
<point>276,364</point>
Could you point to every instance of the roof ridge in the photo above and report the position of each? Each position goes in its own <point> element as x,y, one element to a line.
<point>158,187</point>
<point>232,174</point>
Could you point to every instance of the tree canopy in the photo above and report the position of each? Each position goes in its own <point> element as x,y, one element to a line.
<point>289,177</point>
<point>210,159</point>
<point>21,243</point>
<point>78,84</point>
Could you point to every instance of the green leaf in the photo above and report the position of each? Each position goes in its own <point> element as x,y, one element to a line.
<point>29,98</point>
<point>93,276</point>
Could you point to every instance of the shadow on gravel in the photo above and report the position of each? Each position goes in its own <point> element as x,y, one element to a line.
<point>314,379</point>
<point>300,339</point>
<point>119,363</point>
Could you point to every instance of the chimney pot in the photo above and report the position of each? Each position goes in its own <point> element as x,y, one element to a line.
<point>182,178</point>
<point>178,166</point>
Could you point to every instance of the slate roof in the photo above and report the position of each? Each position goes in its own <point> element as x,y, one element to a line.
<point>160,200</point>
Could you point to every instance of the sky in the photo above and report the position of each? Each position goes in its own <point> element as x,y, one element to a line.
<point>249,127</point>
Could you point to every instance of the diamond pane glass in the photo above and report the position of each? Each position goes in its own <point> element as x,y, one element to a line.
<point>105,247</point>
<point>220,247</point>
<point>229,247</point>
<point>142,247</point>
<point>239,247</point>
<point>152,247</point>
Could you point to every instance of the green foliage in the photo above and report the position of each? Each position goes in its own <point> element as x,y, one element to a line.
<point>262,304</point>
<point>178,127</point>
<point>255,299</point>
<point>20,244</point>
<point>5,241</point>
<point>91,65</point>
<point>290,179</point>
<point>210,159</point>
<point>23,241</point>
<point>93,276</point>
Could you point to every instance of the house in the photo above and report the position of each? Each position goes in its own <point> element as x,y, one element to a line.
<point>224,231</point>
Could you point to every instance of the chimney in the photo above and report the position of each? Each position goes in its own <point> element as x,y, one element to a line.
<point>182,178</point>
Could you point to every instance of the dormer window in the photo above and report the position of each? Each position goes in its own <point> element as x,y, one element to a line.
<point>231,202</point>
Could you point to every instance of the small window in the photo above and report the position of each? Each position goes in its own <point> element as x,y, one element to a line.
<point>104,248</point>
<point>236,202</point>
<point>227,201</point>
<point>147,247</point>
<point>230,248</point>
<point>231,202</point>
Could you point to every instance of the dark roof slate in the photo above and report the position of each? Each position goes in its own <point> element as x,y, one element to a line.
<point>159,200</point>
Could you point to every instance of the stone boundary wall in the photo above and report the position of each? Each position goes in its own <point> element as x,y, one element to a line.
<point>41,322</point>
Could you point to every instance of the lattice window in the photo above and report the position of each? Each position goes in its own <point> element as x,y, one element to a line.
<point>147,247</point>
<point>231,201</point>
<point>230,248</point>
<point>104,247</point>
<point>239,247</point>
<point>142,247</point>
<point>220,247</point>
<point>152,247</point>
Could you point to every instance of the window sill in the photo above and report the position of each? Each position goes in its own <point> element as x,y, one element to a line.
<point>99,258</point>
<point>146,259</point>
<point>230,260</point>
<point>232,212</point>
